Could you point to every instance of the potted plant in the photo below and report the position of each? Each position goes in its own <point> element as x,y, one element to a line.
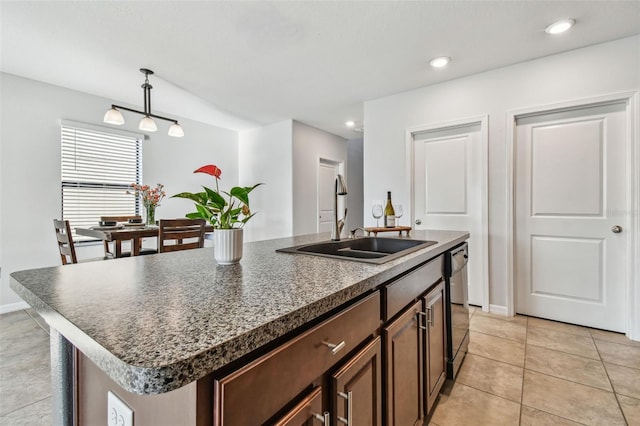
<point>227,212</point>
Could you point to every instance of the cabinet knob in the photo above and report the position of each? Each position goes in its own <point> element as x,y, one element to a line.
<point>335,348</point>
<point>418,222</point>
<point>616,229</point>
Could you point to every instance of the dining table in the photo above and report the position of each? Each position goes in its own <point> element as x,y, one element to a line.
<point>126,232</point>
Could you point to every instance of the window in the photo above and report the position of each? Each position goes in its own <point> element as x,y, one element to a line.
<point>98,167</point>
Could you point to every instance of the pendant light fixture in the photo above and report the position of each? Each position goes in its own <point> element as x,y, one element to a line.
<point>114,116</point>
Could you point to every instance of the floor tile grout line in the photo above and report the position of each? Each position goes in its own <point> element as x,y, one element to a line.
<point>571,381</point>
<point>496,360</point>
<point>568,353</point>
<point>621,365</point>
<point>25,406</point>
<point>555,415</point>
<point>524,366</point>
<point>491,393</point>
<point>615,393</point>
<point>493,335</point>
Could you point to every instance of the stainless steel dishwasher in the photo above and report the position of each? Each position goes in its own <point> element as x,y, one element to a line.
<point>457,307</point>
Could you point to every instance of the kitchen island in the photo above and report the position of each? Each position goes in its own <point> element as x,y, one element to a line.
<point>175,321</point>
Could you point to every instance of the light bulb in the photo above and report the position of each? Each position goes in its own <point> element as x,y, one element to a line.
<point>113,116</point>
<point>148,125</point>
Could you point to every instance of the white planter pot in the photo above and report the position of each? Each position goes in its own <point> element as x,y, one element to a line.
<point>227,246</point>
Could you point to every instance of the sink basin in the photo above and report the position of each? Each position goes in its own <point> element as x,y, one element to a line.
<point>366,249</point>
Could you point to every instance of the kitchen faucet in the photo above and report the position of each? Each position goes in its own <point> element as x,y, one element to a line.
<point>340,189</point>
<point>359,228</point>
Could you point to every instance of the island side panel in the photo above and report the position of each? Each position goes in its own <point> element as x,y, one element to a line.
<point>62,378</point>
<point>190,405</point>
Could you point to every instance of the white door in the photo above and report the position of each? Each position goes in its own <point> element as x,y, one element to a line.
<point>570,185</point>
<point>450,192</point>
<point>327,172</point>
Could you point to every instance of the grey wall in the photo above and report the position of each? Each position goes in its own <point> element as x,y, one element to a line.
<point>30,168</point>
<point>309,146</point>
<point>266,156</point>
<point>355,182</point>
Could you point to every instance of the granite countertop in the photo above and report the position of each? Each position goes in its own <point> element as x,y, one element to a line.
<point>156,323</point>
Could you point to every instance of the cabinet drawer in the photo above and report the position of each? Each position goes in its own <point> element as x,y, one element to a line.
<point>256,392</point>
<point>403,291</point>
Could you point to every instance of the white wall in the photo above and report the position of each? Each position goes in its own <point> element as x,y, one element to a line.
<point>30,168</point>
<point>309,146</point>
<point>266,156</point>
<point>355,183</point>
<point>597,70</point>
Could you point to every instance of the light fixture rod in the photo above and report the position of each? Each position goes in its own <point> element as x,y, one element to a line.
<point>144,113</point>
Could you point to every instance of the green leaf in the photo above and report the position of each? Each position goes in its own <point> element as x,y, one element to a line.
<point>215,198</point>
<point>240,193</point>
<point>246,219</point>
<point>198,197</point>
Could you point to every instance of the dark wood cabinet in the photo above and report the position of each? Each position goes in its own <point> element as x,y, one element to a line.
<point>260,390</point>
<point>435,344</point>
<point>307,412</point>
<point>415,350</point>
<point>357,388</point>
<point>404,365</point>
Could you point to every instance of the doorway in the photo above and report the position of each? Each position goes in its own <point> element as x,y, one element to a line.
<point>327,172</point>
<point>448,163</point>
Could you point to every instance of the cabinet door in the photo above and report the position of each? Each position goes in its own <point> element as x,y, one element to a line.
<point>404,364</point>
<point>307,413</point>
<point>435,341</point>
<point>357,388</point>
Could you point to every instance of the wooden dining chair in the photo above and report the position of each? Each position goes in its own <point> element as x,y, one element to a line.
<point>107,248</point>
<point>182,232</point>
<point>65,242</point>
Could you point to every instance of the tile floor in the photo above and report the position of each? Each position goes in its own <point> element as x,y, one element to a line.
<point>519,371</point>
<point>530,371</point>
<point>25,376</point>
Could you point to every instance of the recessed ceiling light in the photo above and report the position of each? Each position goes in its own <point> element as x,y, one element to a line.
<point>560,26</point>
<point>350,123</point>
<point>440,61</point>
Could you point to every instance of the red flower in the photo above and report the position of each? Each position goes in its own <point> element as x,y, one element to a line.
<point>210,169</point>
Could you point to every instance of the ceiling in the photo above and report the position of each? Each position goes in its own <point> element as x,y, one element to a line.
<point>243,64</point>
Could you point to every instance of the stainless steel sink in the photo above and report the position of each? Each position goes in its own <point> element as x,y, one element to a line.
<point>366,249</point>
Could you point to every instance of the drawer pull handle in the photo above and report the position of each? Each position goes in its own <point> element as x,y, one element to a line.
<point>349,397</point>
<point>430,315</point>
<point>324,418</point>
<point>420,326</point>
<point>334,348</point>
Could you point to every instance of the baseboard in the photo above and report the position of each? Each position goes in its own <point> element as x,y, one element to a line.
<point>498,309</point>
<point>11,307</point>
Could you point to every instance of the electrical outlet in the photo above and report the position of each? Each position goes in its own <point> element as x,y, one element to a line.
<point>118,413</point>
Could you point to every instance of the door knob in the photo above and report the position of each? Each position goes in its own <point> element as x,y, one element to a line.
<point>418,222</point>
<point>616,229</point>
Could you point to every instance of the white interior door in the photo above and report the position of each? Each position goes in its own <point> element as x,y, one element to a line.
<point>450,192</point>
<point>327,172</point>
<point>570,191</point>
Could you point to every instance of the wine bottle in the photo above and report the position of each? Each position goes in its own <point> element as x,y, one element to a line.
<point>389,213</point>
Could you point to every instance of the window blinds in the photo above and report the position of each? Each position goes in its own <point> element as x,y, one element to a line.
<point>97,169</point>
